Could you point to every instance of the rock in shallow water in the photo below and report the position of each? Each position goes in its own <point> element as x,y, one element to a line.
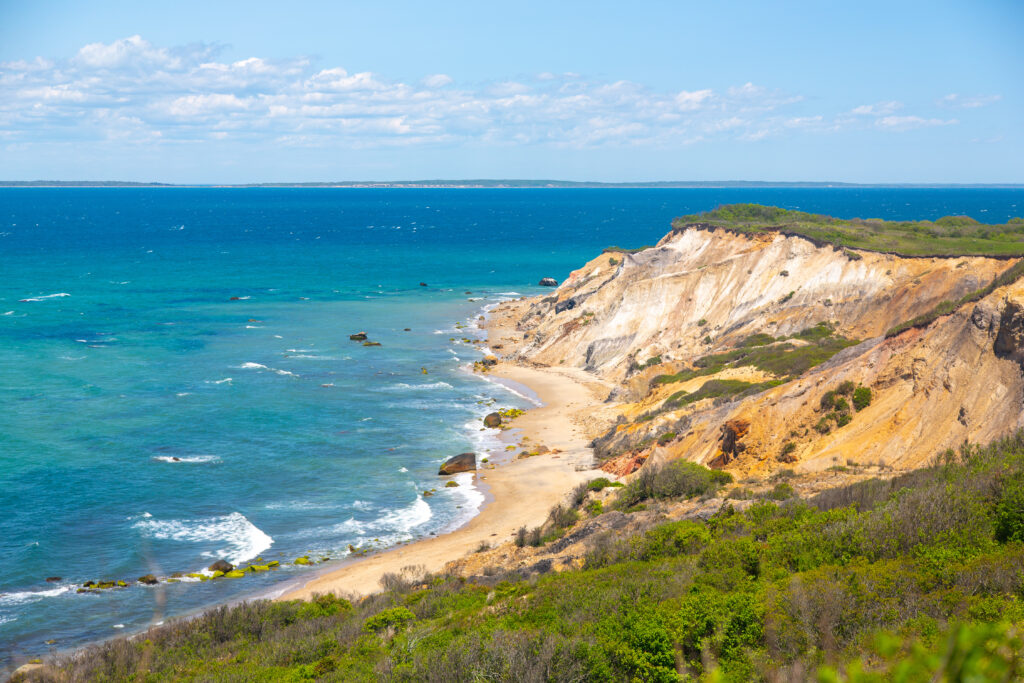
<point>221,566</point>
<point>548,282</point>
<point>492,420</point>
<point>463,462</point>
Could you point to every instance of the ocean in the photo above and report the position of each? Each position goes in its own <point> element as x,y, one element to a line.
<point>177,383</point>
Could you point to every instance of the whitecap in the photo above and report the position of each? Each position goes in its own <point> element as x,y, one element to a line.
<point>238,538</point>
<point>218,381</point>
<point>118,626</point>
<point>259,366</point>
<point>25,597</point>
<point>183,393</point>
<point>187,458</point>
<point>254,327</point>
<point>43,298</point>
<point>366,419</point>
<point>361,505</point>
<point>402,469</point>
<point>428,385</point>
<point>9,313</point>
<point>72,357</point>
<point>509,294</point>
<point>309,357</point>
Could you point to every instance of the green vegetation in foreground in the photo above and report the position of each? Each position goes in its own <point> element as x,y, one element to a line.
<point>947,236</point>
<point>917,578</point>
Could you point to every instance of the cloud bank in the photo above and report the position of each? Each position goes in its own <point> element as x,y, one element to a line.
<point>133,92</point>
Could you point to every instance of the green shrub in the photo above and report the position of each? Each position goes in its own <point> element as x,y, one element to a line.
<point>782,491</point>
<point>787,448</point>
<point>666,437</point>
<point>602,483</point>
<point>823,426</point>
<point>702,322</point>
<point>840,405</point>
<point>396,617</point>
<point>844,420</point>
<point>678,479</point>
<point>1009,511</point>
<point>846,387</point>
<point>861,398</point>
<point>828,400</point>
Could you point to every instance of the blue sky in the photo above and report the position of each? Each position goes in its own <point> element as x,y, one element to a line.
<point>257,91</point>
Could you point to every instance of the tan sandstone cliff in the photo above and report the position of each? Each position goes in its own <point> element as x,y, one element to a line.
<point>704,293</point>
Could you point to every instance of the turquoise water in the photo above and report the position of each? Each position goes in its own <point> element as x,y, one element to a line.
<point>177,383</point>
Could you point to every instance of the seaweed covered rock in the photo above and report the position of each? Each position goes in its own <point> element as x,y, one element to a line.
<point>463,462</point>
<point>358,336</point>
<point>148,580</point>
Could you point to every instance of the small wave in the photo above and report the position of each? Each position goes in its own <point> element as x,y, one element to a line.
<point>9,313</point>
<point>187,458</point>
<point>299,505</point>
<point>259,366</point>
<point>218,381</point>
<point>366,419</point>
<point>429,385</point>
<point>509,294</point>
<point>254,327</point>
<point>25,597</point>
<point>181,394</point>
<point>301,350</point>
<point>72,357</point>
<point>241,539</point>
<point>362,505</point>
<point>402,469</point>
<point>308,357</point>
<point>44,298</point>
<point>118,626</point>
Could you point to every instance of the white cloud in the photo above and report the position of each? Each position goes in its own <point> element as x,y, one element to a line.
<point>688,101</point>
<point>962,102</point>
<point>908,122</point>
<point>437,80</point>
<point>877,109</point>
<point>131,90</point>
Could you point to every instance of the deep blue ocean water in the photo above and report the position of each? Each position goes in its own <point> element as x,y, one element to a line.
<point>177,383</point>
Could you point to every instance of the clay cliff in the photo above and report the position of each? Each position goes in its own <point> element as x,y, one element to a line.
<point>756,352</point>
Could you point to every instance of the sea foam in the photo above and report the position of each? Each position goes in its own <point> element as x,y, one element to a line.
<point>237,539</point>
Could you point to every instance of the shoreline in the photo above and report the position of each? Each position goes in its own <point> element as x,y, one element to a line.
<point>518,492</point>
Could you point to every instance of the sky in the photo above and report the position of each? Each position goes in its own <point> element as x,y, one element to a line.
<point>237,92</point>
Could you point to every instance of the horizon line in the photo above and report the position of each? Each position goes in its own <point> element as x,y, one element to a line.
<point>501,183</point>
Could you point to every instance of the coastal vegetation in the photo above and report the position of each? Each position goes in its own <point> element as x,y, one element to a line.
<point>946,236</point>
<point>912,578</point>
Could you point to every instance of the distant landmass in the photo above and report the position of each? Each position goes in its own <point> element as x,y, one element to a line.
<point>508,183</point>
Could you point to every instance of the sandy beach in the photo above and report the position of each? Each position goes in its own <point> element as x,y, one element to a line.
<point>521,491</point>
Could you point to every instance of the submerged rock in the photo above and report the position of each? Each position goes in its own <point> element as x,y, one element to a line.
<point>492,420</point>
<point>52,579</point>
<point>149,580</point>
<point>463,462</point>
<point>221,566</point>
<point>548,282</point>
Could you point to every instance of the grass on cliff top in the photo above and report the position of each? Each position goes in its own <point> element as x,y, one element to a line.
<point>916,578</point>
<point>946,236</point>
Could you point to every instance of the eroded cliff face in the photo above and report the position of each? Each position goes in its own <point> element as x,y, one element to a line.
<point>750,314</point>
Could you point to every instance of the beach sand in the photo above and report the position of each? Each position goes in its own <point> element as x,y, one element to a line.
<point>522,491</point>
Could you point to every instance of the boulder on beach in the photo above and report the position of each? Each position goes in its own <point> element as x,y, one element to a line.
<point>148,579</point>
<point>548,282</point>
<point>358,336</point>
<point>490,361</point>
<point>492,420</point>
<point>221,566</point>
<point>463,462</point>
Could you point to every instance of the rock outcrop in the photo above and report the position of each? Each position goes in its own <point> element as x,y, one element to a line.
<point>492,420</point>
<point>463,462</point>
